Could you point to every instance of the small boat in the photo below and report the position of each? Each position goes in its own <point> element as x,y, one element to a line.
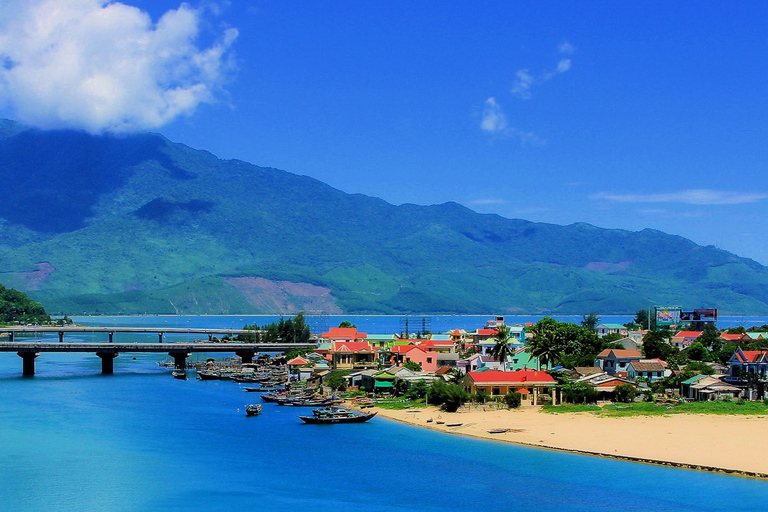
<point>453,424</point>
<point>331,415</point>
<point>498,431</point>
<point>252,409</point>
<point>179,374</point>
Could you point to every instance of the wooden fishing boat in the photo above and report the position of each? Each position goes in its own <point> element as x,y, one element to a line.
<point>331,415</point>
<point>252,409</point>
<point>179,374</point>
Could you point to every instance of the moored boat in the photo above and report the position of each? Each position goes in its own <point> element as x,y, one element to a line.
<point>252,409</point>
<point>331,415</point>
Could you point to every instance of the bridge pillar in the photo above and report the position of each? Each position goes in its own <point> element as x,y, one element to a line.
<point>111,337</point>
<point>107,362</point>
<point>61,337</point>
<point>246,355</point>
<point>28,365</point>
<point>179,359</point>
<point>160,336</point>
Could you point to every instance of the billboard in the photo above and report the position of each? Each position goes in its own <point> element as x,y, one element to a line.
<point>667,315</point>
<point>699,316</point>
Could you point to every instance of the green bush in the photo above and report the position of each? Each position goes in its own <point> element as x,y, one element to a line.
<point>481,397</point>
<point>578,393</point>
<point>513,399</point>
<point>625,393</point>
<point>449,396</point>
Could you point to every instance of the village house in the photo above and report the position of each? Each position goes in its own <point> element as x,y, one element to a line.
<point>380,340</point>
<point>646,369</point>
<point>352,354</point>
<point>684,339</point>
<point>530,383</point>
<point>484,339</point>
<point>605,329</point>
<point>615,361</point>
<point>427,359</point>
<point>343,334</point>
<point>708,387</point>
<point>744,362</point>
<point>605,384</point>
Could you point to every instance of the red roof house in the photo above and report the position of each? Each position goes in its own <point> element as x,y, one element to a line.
<point>495,382</point>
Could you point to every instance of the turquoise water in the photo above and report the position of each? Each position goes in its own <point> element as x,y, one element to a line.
<point>72,439</point>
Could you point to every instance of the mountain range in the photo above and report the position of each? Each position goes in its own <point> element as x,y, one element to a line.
<point>139,224</point>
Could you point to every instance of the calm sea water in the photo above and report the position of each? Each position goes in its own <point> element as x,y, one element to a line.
<point>74,440</point>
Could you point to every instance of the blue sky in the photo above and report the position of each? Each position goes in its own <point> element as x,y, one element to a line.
<point>620,115</point>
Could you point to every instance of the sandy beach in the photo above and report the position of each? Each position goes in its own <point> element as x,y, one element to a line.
<point>728,444</point>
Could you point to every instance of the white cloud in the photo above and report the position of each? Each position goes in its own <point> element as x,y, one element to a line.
<point>493,119</point>
<point>105,66</point>
<point>566,48</point>
<point>524,80</point>
<point>692,197</point>
<point>522,86</point>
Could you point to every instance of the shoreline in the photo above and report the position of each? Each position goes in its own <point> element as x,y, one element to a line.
<point>679,441</point>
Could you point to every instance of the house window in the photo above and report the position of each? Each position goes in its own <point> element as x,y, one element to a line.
<point>429,360</point>
<point>495,391</point>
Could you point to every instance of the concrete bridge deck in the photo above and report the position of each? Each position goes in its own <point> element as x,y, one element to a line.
<point>29,351</point>
<point>160,331</point>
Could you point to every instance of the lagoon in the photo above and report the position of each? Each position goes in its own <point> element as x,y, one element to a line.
<point>139,440</point>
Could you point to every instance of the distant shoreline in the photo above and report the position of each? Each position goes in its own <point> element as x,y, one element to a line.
<point>689,441</point>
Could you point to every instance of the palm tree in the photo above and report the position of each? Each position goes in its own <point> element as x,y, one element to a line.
<point>455,376</point>
<point>546,341</point>
<point>590,321</point>
<point>502,349</point>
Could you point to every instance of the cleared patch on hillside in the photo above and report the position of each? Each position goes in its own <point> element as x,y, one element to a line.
<point>34,279</point>
<point>606,267</point>
<point>284,296</point>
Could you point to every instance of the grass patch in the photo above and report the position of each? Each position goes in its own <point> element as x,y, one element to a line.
<point>720,407</point>
<point>555,409</point>
<point>399,405</point>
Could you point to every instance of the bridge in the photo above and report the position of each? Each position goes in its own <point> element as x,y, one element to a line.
<point>161,331</point>
<point>180,351</point>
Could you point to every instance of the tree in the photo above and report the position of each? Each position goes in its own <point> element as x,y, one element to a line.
<point>625,393</point>
<point>655,346</point>
<point>17,307</point>
<point>455,397</point>
<point>697,351</point>
<point>610,338</point>
<point>502,350</point>
<point>336,381</point>
<point>417,390</point>
<point>545,343</point>
<point>710,336</point>
<point>412,365</point>
<point>513,399</point>
<point>590,321</point>
<point>700,367</point>
<point>455,376</point>
<point>346,323</point>
<point>645,320</point>
<point>578,392</point>
<point>565,343</point>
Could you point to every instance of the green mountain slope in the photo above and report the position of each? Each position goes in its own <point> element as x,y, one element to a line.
<point>140,224</point>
